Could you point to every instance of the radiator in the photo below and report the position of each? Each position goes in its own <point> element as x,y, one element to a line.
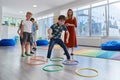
<point>94,41</point>
<point>89,41</point>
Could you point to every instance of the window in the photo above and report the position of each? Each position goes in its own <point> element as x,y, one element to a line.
<point>44,23</point>
<point>11,21</point>
<point>42,28</point>
<point>48,24</point>
<point>114,19</point>
<point>93,19</point>
<point>83,22</point>
<point>50,21</point>
<point>40,25</point>
<point>98,21</point>
<point>74,12</point>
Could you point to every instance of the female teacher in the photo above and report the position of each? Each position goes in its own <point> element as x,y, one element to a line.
<point>71,24</point>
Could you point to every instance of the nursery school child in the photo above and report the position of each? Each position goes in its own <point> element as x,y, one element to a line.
<point>54,34</point>
<point>26,30</point>
<point>34,34</point>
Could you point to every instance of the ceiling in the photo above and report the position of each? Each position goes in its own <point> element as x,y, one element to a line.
<point>15,6</point>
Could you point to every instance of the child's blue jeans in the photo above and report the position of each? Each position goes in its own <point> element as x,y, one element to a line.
<point>59,42</point>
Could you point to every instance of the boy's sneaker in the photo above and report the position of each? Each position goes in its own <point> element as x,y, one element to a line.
<point>28,54</point>
<point>72,54</point>
<point>67,61</point>
<point>22,55</point>
<point>34,49</point>
<point>32,52</point>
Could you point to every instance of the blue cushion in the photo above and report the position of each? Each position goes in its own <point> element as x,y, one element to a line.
<point>42,42</point>
<point>111,45</point>
<point>7,42</point>
<point>16,38</point>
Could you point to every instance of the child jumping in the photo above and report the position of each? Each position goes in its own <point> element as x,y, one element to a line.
<point>54,34</point>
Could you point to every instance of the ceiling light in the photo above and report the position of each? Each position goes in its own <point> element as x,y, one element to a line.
<point>34,5</point>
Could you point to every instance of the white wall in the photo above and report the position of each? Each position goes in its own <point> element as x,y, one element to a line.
<point>7,32</point>
<point>0,14</point>
<point>0,20</point>
<point>4,32</point>
<point>12,32</point>
<point>13,15</point>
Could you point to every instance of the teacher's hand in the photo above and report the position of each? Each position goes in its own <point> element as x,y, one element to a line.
<point>67,24</point>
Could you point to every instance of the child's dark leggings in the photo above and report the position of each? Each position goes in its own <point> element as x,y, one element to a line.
<point>59,42</point>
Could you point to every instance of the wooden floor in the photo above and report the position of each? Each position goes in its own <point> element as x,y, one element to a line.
<point>13,67</point>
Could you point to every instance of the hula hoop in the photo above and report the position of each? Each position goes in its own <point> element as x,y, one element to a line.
<point>70,63</point>
<point>57,59</point>
<point>90,76</point>
<point>55,70</point>
<point>32,62</point>
<point>37,58</point>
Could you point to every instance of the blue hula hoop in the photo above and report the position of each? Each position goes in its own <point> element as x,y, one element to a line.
<point>70,63</point>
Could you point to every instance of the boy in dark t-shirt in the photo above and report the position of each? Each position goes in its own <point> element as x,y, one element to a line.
<point>54,34</point>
